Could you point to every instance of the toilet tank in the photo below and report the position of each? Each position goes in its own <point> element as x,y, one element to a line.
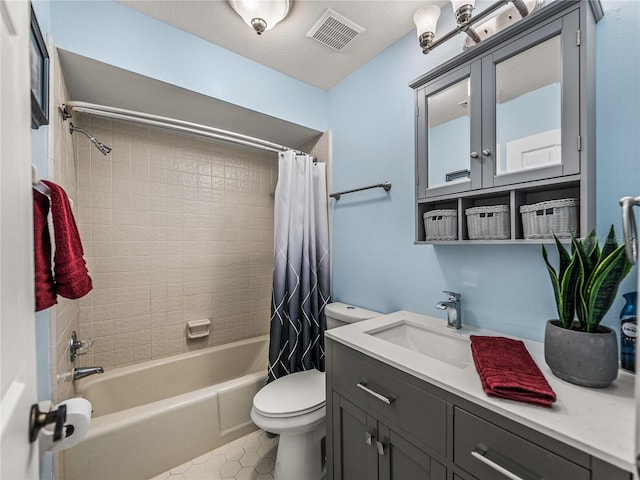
<point>339,314</point>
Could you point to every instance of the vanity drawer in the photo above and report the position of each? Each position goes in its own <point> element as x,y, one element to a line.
<point>391,398</point>
<point>482,448</point>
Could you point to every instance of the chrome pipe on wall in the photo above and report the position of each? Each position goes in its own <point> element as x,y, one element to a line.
<point>100,146</point>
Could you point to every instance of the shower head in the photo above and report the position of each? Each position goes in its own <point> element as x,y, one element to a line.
<point>100,146</point>
<point>103,148</point>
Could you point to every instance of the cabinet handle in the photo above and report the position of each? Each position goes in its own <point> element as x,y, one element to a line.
<point>380,446</point>
<point>486,152</point>
<point>480,455</point>
<point>368,436</point>
<point>383,398</point>
<point>474,155</point>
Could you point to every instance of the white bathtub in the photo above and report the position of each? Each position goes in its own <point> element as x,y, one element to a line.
<point>152,416</point>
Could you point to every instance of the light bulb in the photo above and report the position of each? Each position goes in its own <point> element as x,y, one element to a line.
<point>456,4</point>
<point>426,19</point>
<point>262,15</point>
<point>462,9</point>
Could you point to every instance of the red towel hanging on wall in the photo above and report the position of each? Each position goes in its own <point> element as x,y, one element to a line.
<point>70,270</point>
<point>45,289</point>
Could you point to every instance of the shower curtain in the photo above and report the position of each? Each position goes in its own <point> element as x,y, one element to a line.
<point>301,267</point>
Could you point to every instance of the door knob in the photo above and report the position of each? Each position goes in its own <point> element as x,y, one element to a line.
<point>474,155</point>
<point>486,152</point>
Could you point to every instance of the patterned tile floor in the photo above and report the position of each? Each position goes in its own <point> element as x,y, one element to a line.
<point>251,457</point>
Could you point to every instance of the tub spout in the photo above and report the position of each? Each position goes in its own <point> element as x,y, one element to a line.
<point>82,372</point>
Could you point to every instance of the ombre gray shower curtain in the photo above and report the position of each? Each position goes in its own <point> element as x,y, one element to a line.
<point>300,268</point>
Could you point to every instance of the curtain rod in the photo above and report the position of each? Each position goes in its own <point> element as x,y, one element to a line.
<point>172,124</point>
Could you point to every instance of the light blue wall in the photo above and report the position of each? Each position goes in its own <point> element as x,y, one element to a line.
<point>618,106</point>
<point>39,157</point>
<point>121,36</point>
<point>504,288</point>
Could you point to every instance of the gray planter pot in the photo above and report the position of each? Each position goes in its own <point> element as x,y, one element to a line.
<point>586,359</point>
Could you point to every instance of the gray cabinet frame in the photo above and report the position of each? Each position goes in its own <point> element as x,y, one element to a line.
<point>574,178</point>
<point>472,71</point>
<point>565,26</point>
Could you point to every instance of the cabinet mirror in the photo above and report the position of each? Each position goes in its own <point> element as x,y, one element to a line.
<point>448,134</point>
<point>528,108</point>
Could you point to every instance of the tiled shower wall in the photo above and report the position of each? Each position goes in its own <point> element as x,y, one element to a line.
<point>175,228</point>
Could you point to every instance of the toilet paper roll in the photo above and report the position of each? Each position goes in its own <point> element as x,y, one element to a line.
<point>75,428</point>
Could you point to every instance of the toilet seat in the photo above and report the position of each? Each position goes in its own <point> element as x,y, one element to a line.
<point>293,395</point>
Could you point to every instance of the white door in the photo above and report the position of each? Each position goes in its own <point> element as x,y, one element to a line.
<point>18,457</point>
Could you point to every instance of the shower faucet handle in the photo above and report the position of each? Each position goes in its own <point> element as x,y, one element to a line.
<point>78,347</point>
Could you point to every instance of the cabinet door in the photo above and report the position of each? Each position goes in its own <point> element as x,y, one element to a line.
<point>366,449</point>
<point>398,459</point>
<point>448,126</point>
<point>530,106</point>
<point>354,437</point>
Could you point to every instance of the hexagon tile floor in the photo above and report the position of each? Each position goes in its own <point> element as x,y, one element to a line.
<point>251,457</point>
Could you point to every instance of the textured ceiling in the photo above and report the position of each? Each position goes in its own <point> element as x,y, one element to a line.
<point>286,48</point>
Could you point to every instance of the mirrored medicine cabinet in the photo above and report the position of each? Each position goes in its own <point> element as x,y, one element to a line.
<point>511,122</point>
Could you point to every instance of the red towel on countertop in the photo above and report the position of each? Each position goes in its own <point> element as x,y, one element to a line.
<point>70,270</point>
<point>507,370</point>
<point>45,289</point>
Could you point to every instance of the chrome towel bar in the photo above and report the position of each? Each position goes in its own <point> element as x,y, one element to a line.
<point>385,185</point>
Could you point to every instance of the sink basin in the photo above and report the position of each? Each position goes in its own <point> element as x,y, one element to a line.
<point>448,347</point>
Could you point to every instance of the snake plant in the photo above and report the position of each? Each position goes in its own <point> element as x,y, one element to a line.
<point>587,280</point>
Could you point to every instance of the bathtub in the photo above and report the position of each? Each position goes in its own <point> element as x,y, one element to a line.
<point>152,416</point>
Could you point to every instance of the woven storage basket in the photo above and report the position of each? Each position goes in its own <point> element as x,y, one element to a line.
<point>541,220</point>
<point>441,224</point>
<point>488,223</point>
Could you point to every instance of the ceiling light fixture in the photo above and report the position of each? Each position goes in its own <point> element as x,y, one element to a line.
<point>498,16</point>
<point>262,15</point>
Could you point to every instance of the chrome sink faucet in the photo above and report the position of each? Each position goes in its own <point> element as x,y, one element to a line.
<point>82,372</point>
<point>452,306</point>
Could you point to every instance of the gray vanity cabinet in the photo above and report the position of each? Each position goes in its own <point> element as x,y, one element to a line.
<point>383,423</point>
<point>382,428</point>
<point>364,448</point>
<point>511,121</point>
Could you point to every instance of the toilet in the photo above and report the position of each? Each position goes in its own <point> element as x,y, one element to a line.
<point>294,408</point>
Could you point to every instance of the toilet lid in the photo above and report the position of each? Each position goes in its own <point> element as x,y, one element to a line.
<point>294,394</point>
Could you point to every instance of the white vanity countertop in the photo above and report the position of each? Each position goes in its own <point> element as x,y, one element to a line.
<point>600,422</point>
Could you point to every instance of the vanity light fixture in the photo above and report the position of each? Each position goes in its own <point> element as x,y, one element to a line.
<point>498,16</point>
<point>262,15</point>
